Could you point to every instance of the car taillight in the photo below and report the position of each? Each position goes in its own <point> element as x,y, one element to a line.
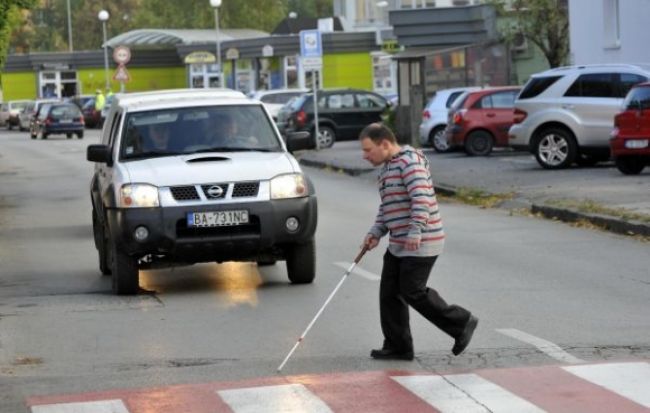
<point>49,120</point>
<point>519,115</point>
<point>81,119</point>
<point>426,115</point>
<point>458,117</point>
<point>301,118</point>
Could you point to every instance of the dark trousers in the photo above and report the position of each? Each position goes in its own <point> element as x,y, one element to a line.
<point>404,283</point>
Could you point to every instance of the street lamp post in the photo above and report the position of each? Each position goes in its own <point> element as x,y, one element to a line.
<point>215,5</point>
<point>69,27</point>
<point>103,16</point>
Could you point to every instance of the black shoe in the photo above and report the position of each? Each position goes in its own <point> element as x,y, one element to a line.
<point>389,354</point>
<point>466,336</point>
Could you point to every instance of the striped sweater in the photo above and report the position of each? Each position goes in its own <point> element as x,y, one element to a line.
<point>408,208</point>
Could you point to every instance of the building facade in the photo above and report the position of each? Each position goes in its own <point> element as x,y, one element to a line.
<point>609,31</point>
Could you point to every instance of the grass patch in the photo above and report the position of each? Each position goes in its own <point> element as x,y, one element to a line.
<point>591,207</point>
<point>478,197</point>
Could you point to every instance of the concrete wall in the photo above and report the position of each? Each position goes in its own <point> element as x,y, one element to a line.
<point>592,37</point>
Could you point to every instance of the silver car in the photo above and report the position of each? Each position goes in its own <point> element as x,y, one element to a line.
<point>434,117</point>
<point>9,112</point>
<point>566,114</point>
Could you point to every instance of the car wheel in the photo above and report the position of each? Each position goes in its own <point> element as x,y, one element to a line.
<point>326,137</point>
<point>438,140</point>
<point>43,135</point>
<point>555,148</point>
<point>80,135</point>
<point>630,165</point>
<point>125,272</point>
<point>301,262</point>
<point>101,243</point>
<point>479,143</point>
<point>68,135</point>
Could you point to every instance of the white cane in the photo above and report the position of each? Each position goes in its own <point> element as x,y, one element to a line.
<point>295,346</point>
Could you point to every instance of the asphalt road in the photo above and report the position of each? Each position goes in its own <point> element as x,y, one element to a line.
<point>62,331</point>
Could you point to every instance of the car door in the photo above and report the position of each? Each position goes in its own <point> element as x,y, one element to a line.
<point>497,112</point>
<point>594,101</point>
<point>340,109</point>
<point>371,107</point>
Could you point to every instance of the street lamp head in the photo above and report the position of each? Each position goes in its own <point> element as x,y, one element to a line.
<point>103,15</point>
<point>293,15</point>
<point>382,4</point>
<point>215,3</point>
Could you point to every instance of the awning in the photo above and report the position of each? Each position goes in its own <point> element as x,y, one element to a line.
<point>156,38</point>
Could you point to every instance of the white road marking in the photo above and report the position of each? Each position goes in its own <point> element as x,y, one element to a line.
<point>286,398</point>
<point>359,271</point>
<point>102,406</point>
<point>465,393</point>
<point>630,380</point>
<point>545,346</point>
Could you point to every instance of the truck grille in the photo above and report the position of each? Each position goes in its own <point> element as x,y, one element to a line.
<point>245,189</point>
<point>184,193</point>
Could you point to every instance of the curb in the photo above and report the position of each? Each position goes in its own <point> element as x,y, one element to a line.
<point>608,223</point>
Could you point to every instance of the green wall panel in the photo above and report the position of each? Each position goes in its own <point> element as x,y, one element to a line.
<point>142,79</point>
<point>18,86</point>
<point>347,70</point>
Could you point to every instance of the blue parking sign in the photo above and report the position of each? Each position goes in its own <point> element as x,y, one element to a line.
<point>310,43</point>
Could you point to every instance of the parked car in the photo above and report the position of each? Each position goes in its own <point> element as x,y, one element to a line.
<point>274,99</point>
<point>566,114</point>
<point>79,100</point>
<point>480,119</point>
<point>342,114</point>
<point>284,113</point>
<point>9,112</point>
<point>92,116</point>
<point>25,116</point>
<point>630,143</point>
<point>192,198</point>
<point>29,119</point>
<point>58,119</point>
<point>434,117</point>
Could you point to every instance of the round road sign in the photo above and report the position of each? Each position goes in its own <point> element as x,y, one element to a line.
<point>122,55</point>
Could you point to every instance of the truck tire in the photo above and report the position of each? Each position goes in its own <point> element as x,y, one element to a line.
<point>301,262</point>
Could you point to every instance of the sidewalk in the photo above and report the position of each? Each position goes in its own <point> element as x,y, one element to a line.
<point>604,185</point>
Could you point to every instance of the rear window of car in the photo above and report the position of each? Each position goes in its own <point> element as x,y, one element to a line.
<point>628,80</point>
<point>638,98</point>
<point>452,97</point>
<point>459,102</point>
<point>497,100</point>
<point>537,85</point>
<point>67,111</point>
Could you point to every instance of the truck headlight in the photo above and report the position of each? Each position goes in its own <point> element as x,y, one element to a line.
<point>139,196</point>
<point>288,186</point>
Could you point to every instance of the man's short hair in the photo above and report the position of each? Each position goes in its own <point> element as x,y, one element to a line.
<point>378,132</point>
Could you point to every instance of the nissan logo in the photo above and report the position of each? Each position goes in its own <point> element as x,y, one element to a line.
<point>215,191</point>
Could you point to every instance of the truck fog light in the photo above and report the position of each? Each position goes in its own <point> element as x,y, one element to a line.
<point>292,224</point>
<point>141,233</point>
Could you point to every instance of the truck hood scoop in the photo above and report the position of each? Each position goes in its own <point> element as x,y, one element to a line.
<point>209,159</point>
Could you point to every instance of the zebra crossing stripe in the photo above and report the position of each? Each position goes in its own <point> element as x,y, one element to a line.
<point>287,398</point>
<point>102,406</point>
<point>630,380</point>
<point>465,393</point>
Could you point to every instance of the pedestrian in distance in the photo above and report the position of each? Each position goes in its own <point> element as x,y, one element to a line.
<point>409,213</point>
<point>100,100</point>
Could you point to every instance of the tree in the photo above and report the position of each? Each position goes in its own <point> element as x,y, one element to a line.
<point>10,16</point>
<point>544,23</point>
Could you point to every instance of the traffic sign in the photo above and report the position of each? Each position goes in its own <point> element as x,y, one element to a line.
<point>312,63</point>
<point>121,74</point>
<point>122,55</point>
<point>310,43</point>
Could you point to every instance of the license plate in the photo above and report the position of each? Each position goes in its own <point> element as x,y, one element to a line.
<point>65,121</point>
<point>636,143</point>
<point>217,218</point>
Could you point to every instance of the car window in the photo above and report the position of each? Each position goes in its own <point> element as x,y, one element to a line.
<point>537,85</point>
<point>627,80</point>
<point>638,98</point>
<point>197,129</point>
<point>452,97</point>
<point>338,101</point>
<point>600,85</point>
<point>67,111</point>
<point>366,100</point>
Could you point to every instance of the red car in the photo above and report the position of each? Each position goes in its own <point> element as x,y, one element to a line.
<point>480,120</point>
<point>630,143</point>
